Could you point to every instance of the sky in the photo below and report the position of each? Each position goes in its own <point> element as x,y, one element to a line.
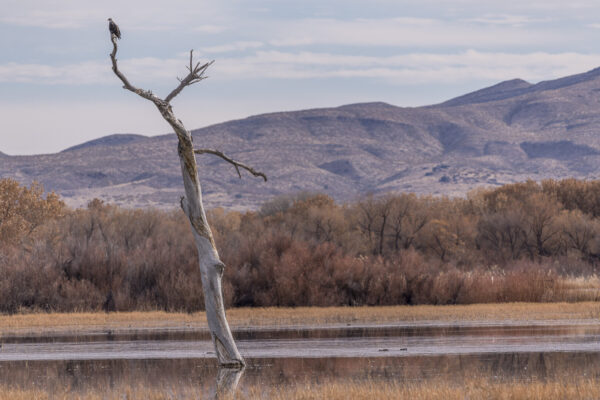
<point>57,88</point>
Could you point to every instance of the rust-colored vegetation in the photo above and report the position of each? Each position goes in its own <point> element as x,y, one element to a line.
<point>521,242</point>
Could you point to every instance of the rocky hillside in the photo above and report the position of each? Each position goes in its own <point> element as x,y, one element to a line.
<point>505,133</point>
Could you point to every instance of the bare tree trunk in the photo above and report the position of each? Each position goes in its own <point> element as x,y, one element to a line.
<point>211,267</point>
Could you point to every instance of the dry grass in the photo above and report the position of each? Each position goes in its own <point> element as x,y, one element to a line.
<point>477,389</point>
<point>117,393</point>
<point>442,390</point>
<point>581,288</point>
<point>301,316</point>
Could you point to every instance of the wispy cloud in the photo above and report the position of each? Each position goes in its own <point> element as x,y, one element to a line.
<point>506,19</point>
<point>49,18</point>
<point>209,28</point>
<point>410,32</point>
<point>85,73</point>
<point>144,70</point>
<point>414,68</point>
<point>406,69</point>
<point>139,14</point>
<point>229,47</point>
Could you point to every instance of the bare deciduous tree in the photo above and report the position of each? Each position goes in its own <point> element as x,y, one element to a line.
<point>211,267</point>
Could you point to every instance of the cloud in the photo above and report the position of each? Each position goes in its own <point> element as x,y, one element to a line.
<point>411,68</point>
<point>410,32</point>
<point>51,19</point>
<point>236,46</point>
<point>208,28</point>
<point>138,14</point>
<point>143,70</point>
<point>536,5</point>
<point>506,19</point>
<point>84,73</point>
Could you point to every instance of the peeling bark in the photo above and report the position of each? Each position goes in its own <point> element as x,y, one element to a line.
<point>211,267</point>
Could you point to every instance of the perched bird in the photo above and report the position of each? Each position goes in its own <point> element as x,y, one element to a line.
<point>114,28</point>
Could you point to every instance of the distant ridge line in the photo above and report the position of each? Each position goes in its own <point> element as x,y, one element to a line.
<point>110,140</point>
<point>508,132</point>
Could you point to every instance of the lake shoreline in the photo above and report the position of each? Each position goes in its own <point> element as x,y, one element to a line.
<point>306,318</point>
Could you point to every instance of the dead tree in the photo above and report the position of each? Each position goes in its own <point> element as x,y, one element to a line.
<point>211,267</point>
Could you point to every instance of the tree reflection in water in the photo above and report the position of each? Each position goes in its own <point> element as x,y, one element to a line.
<point>227,381</point>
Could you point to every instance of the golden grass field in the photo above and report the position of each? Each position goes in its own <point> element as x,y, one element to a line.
<point>41,323</point>
<point>434,390</point>
<point>476,389</point>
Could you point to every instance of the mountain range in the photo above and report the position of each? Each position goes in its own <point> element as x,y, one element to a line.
<point>505,133</point>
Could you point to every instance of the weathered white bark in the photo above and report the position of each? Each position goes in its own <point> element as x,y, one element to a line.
<point>211,267</point>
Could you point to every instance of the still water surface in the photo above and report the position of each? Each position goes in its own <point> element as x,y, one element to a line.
<point>276,357</point>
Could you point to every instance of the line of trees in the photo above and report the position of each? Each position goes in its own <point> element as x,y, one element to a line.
<point>527,220</point>
<point>513,243</point>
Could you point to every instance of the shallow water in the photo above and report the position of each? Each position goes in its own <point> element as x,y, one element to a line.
<point>387,341</point>
<point>286,356</point>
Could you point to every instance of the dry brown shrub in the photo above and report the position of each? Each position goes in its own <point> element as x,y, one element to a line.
<point>514,243</point>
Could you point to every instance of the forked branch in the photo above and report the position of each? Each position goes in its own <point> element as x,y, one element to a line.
<point>236,164</point>
<point>195,75</point>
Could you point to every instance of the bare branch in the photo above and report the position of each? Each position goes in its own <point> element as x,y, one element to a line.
<point>195,75</point>
<point>147,94</point>
<point>236,164</point>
